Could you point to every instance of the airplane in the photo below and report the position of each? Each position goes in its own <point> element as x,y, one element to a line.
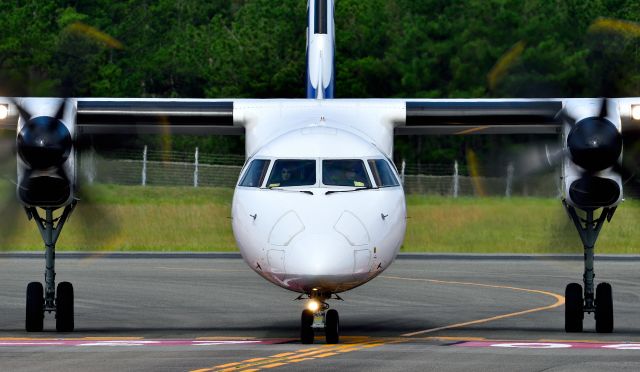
<point>319,208</point>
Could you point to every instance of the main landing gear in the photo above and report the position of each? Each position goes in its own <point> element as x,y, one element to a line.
<point>600,300</point>
<point>46,299</point>
<point>318,317</point>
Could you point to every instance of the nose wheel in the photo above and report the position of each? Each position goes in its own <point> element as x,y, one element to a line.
<point>322,319</point>
<point>332,326</point>
<point>306,327</point>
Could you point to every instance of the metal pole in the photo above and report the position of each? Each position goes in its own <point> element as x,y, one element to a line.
<point>456,179</point>
<point>507,192</point>
<point>144,166</point>
<point>88,165</point>
<point>195,172</point>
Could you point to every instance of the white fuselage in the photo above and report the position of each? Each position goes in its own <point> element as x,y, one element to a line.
<point>318,236</point>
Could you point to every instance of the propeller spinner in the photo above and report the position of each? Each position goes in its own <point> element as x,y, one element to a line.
<point>594,144</point>
<point>44,144</point>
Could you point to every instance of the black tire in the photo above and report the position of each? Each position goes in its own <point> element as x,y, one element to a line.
<point>573,308</point>
<point>332,327</point>
<point>306,331</point>
<point>35,307</point>
<point>64,307</point>
<point>604,308</point>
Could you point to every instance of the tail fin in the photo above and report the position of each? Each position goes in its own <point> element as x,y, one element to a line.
<point>320,49</point>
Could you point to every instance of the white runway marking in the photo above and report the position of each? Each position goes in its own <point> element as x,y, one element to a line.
<point>552,345</point>
<point>78,342</point>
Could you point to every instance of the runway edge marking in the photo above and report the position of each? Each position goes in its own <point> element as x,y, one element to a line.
<point>552,345</point>
<point>559,302</point>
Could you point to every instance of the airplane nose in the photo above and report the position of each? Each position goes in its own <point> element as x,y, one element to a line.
<point>328,254</point>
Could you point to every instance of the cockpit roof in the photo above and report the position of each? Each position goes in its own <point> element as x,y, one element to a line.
<point>321,141</point>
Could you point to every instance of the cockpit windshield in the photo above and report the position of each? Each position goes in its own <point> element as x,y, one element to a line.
<point>382,173</point>
<point>255,174</point>
<point>292,172</point>
<point>345,172</point>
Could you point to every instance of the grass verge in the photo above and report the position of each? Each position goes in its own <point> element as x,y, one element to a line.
<point>134,218</point>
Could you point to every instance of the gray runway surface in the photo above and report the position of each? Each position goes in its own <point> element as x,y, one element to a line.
<point>181,314</point>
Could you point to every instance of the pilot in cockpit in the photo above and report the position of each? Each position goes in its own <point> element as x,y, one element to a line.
<point>285,175</point>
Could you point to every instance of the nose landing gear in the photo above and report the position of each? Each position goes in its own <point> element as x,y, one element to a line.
<point>317,317</point>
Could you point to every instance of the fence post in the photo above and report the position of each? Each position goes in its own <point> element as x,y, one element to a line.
<point>144,166</point>
<point>195,171</point>
<point>402,168</point>
<point>507,192</point>
<point>88,164</point>
<point>456,179</point>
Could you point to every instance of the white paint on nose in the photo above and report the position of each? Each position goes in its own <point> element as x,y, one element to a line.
<point>286,228</point>
<point>350,226</point>
<point>320,254</point>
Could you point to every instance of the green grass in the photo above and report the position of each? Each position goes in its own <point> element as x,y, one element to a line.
<point>134,218</point>
<point>515,225</point>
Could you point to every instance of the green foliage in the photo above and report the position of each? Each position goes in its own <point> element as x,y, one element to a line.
<point>385,48</point>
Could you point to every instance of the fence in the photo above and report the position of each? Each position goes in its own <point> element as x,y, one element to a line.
<point>454,180</point>
<point>171,168</point>
<point>162,168</point>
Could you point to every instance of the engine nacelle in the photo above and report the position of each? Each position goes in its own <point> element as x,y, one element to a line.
<point>46,156</point>
<point>594,147</point>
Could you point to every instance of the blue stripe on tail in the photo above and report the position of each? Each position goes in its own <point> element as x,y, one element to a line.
<point>320,49</point>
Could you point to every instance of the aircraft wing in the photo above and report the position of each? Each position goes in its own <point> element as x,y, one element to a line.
<point>156,116</point>
<point>460,117</point>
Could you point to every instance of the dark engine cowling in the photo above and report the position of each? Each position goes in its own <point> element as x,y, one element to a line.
<point>595,145</point>
<point>44,144</point>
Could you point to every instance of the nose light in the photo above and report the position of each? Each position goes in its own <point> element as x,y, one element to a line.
<point>313,305</point>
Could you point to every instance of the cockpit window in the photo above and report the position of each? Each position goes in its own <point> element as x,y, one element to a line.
<point>348,172</point>
<point>382,173</point>
<point>254,176</point>
<point>293,173</point>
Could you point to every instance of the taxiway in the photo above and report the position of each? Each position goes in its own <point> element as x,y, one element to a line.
<point>211,312</point>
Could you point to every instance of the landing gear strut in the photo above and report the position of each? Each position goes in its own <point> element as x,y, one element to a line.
<point>43,299</point>
<point>598,299</point>
<point>319,318</point>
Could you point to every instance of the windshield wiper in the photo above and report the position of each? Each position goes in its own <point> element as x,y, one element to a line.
<point>352,190</point>
<point>288,190</point>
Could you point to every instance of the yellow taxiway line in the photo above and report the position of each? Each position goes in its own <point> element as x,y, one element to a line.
<point>559,302</point>
<point>361,343</point>
<point>300,355</point>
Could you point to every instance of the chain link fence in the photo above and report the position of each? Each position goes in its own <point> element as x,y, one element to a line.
<point>162,168</point>
<point>172,168</point>
<point>457,180</point>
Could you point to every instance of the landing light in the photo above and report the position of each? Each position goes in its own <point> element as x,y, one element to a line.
<point>635,112</point>
<point>4,112</point>
<point>313,305</point>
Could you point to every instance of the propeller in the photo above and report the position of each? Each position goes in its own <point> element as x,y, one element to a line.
<point>9,206</point>
<point>593,143</point>
<point>43,145</point>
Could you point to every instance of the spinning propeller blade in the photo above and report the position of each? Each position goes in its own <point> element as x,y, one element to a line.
<point>41,146</point>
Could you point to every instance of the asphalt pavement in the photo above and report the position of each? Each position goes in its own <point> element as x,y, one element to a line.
<point>211,312</point>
